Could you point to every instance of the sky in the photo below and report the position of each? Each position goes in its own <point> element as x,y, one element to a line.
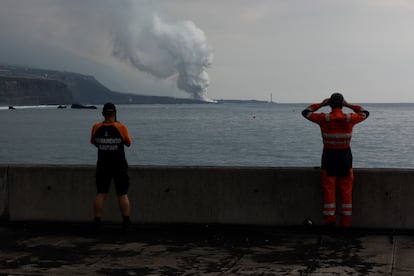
<point>298,51</point>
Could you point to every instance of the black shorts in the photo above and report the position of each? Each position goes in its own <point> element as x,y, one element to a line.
<point>337,162</point>
<point>105,175</point>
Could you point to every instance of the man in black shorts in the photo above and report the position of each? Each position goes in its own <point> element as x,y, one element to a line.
<point>109,137</point>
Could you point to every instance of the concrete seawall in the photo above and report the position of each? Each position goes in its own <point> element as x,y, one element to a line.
<point>209,195</point>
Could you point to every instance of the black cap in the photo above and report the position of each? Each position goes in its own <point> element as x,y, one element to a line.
<point>337,100</point>
<point>109,108</point>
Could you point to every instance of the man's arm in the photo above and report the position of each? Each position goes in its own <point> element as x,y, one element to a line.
<point>357,109</point>
<point>307,112</point>
<point>92,139</point>
<point>127,137</point>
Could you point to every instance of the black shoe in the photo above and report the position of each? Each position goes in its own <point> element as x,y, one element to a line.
<point>126,228</point>
<point>346,231</point>
<point>96,228</point>
<point>329,228</point>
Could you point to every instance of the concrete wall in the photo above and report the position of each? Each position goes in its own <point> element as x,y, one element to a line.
<point>228,195</point>
<point>4,198</point>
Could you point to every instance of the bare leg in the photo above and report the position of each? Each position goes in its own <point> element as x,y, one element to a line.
<point>124,205</point>
<point>98,205</point>
<point>125,211</point>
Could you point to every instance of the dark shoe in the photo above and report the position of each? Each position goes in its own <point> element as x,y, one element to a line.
<point>96,228</point>
<point>329,228</point>
<point>126,228</point>
<point>346,231</point>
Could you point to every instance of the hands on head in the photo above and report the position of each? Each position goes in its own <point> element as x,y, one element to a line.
<point>327,102</point>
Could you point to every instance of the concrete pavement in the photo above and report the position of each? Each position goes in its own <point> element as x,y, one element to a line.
<point>70,249</point>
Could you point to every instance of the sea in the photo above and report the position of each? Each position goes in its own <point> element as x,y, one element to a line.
<point>228,134</point>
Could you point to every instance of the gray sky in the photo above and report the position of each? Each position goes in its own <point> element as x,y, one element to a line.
<point>296,50</point>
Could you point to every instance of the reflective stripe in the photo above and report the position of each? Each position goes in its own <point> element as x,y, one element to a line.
<point>346,213</point>
<point>347,205</point>
<point>335,143</point>
<point>336,135</point>
<point>327,117</point>
<point>348,118</point>
<point>329,205</point>
<point>336,139</point>
<point>328,213</point>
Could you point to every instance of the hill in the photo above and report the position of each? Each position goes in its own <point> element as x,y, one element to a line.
<point>31,86</point>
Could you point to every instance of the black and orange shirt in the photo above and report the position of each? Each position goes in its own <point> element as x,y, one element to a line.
<point>110,139</point>
<point>336,126</point>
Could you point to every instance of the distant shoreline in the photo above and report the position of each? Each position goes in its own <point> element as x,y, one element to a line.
<point>219,102</point>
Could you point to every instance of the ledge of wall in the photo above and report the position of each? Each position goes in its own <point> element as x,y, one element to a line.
<point>4,194</point>
<point>225,195</point>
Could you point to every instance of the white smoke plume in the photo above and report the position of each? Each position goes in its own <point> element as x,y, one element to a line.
<point>166,50</point>
<point>134,32</point>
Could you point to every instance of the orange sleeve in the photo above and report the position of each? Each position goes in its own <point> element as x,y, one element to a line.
<point>310,114</point>
<point>95,126</point>
<point>125,134</point>
<point>360,113</point>
<point>358,117</point>
<point>317,117</point>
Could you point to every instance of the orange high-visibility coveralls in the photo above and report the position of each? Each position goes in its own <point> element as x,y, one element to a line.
<point>336,128</point>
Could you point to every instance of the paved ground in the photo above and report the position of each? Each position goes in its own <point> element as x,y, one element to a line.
<point>67,249</point>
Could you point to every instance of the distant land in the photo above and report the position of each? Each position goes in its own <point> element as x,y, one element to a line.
<point>31,86</point>
<point>223,101</point>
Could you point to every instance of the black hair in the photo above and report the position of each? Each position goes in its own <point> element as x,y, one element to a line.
<point>337,100</point>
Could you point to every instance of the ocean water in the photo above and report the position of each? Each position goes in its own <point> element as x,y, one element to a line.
<point>205,135</point>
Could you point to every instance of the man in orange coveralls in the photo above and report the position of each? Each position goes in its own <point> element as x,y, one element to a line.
<point>109,137</point>
<point>336,128</point>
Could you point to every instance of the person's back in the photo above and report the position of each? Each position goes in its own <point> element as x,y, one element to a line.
<point>336,128</point>
<point>109,137</point>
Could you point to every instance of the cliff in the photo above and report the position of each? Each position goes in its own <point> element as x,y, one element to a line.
<point>24,91</point>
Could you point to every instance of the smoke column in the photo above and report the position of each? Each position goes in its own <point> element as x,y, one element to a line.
<point>167,50</point>
<point>129,31</point>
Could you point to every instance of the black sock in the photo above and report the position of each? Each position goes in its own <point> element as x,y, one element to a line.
<point>125,220</point>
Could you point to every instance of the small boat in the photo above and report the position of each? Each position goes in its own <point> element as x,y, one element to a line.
<point>81,106</point>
